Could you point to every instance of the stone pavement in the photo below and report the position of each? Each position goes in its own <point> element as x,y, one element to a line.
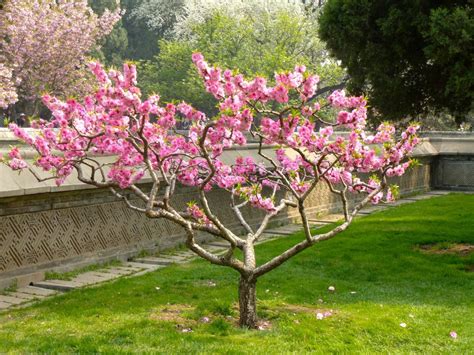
<point>140,265</point>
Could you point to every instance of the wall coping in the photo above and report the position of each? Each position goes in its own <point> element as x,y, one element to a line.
<point>19,184</point>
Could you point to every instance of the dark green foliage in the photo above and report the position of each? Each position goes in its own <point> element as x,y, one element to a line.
<point>113,48</point>
<point>410,57</point>
<point>142,42</point>
<point>130,39</point>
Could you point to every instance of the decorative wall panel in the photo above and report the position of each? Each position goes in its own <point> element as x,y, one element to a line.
<point>51,229</point>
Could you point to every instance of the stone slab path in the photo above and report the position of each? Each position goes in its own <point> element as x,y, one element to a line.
<point>141,265</point>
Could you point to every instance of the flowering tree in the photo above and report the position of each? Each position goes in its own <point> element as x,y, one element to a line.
<point>7,88</point>
<point>44,42</point>
<point>115,121</point>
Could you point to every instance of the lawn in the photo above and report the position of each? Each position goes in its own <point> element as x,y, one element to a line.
<point>381,275</point>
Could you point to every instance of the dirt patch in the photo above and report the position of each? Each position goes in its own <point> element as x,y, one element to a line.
<point>294,308</point>
<point>461,249</point>
<point>470,268</point>
<point>172,313</point>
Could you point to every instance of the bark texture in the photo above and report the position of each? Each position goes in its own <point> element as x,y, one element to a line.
<point>248,303</point>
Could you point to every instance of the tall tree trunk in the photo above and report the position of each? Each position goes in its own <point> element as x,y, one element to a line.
<point>248,302</point>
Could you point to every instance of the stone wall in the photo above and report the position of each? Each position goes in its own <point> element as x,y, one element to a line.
<point>43,232</point>
<point>43,227</point>
<point>454,172</point>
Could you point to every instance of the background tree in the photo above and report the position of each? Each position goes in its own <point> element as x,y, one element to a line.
<point>248,36</point>
<point>295,157</point>
<point>8,94</point>
<point>44,44</point>
<point>409,57</point>
<point>160,16</point>
<point>113,47</point>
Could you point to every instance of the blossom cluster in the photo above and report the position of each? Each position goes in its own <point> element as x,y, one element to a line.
<point>8,93</point>
<point>43,44</point>
<point>139,135</point>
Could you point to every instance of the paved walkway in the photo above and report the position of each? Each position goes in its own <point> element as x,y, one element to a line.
<point>39,290</point>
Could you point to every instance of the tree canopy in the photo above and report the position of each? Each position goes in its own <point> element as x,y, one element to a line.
<point>260,44</point>
<point>409,57</point>
<point>43,45</point>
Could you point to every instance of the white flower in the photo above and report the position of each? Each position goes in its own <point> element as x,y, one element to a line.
<point>319,316</point>
<point>403,325</point>
<point>331,288</point>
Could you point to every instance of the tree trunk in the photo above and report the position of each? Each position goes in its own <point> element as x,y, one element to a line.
<point>248,303</point>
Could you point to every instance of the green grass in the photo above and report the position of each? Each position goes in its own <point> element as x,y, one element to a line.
<point>378,258</point>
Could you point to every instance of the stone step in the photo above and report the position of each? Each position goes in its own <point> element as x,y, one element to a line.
<point>318,222</point>
<point>266,235</point>
<point>119,272</point>
<point>128,267</point>
<point>364,213</point>
<point>213,249</point>
<point>37,291</point>
<point>104,275</point>
<point>185,254</point>
<point>278,232</point>
<point>292,227</point>
<point>400,202</point>
<point>419,197</point>
<point>289,230</point>
<point>372,209</point>
<point>24,296</point>
<point>11,300</point>
<point>4,305</point>
<point>270,236</point>
<point>142,266</point>
<point>59,285</point>
<point>219,244</point>
<point>439,192</point>
<point>153,260</point>
<point>174,257</point>
<point>94,277</point>
<point>315,225</point>
<point>330,218</point>
<point>88,280</point>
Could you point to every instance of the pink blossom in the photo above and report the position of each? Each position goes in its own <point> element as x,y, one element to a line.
<point>138,136</point>
<point>45,43</point>
<point>17,164</point>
